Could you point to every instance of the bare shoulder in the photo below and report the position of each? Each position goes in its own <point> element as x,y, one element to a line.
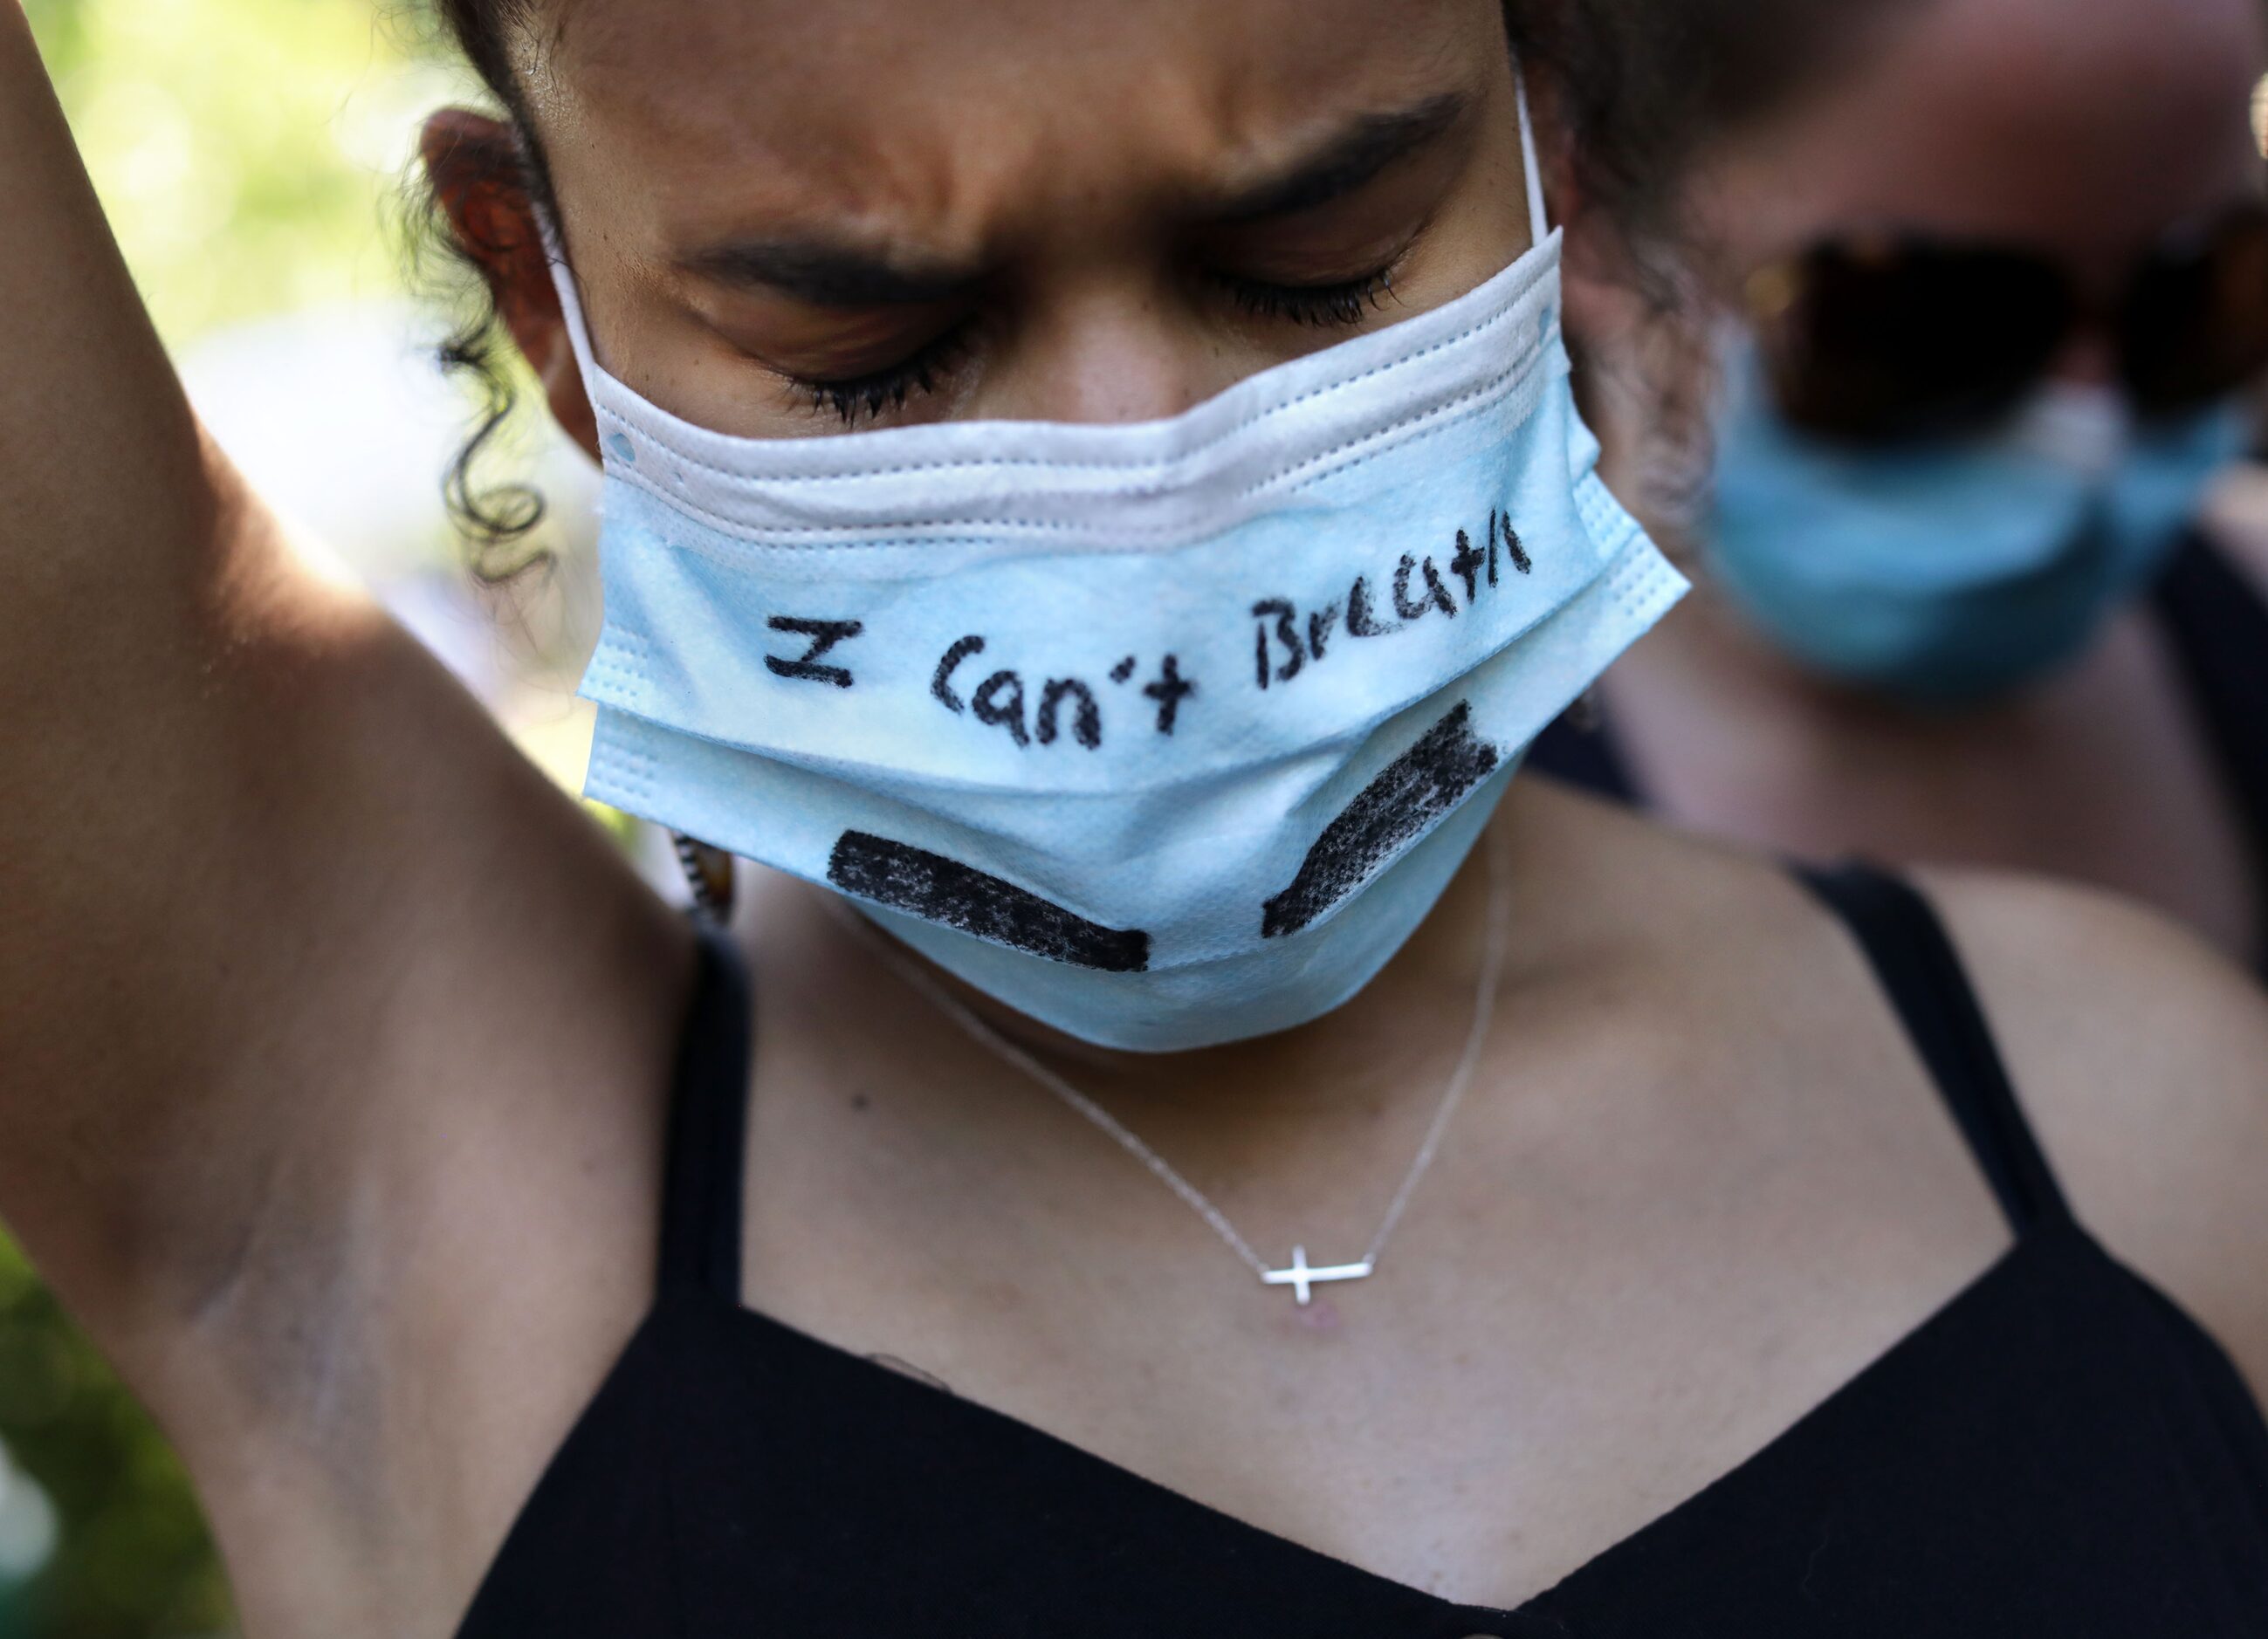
<point>2142,1059</point>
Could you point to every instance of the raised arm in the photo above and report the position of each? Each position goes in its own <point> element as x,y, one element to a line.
<point>97,445</point>
<point>284,921</point>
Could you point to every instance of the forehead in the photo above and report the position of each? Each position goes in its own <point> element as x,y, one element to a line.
<point>2085,126</point>
<point>945,115</point>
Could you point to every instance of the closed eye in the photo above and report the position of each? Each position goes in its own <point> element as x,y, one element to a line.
<point>871,394</point>
<point>1340,302</point>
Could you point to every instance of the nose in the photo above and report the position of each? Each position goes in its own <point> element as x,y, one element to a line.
<point>1109,352</point>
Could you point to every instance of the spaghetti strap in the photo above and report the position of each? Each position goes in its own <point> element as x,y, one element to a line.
<point>1907,945</point>
<point>707,1125</point>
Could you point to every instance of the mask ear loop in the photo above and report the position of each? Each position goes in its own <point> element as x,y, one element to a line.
<point>1587,714</point>
<point>709,872</point>
<point>571,299</point>
<point>1539,220</point>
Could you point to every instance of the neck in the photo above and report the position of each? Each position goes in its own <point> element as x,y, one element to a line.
<point>1303,1136</point>
<point>1382,1048</point>
<point>1705,651</point>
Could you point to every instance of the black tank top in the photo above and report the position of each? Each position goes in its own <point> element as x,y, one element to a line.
<point>2057,1450</point>
<point>2216,625</point>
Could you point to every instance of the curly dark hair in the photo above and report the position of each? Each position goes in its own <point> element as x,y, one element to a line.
<point>1643,88</point>
<point>497,520</point>
<point>1637,88</point>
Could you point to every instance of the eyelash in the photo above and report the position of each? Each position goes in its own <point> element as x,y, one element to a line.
<point>1319,305</point>
<point>852,398</point>
<point>855,398</point>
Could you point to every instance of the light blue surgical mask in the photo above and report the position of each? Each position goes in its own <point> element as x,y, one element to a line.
<point>1947,573</point>
<point>1165,734</point>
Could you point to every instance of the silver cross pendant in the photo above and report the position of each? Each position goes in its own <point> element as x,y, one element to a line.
<point>1301,1275</point>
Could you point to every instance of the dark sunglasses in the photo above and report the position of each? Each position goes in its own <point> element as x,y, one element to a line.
<point>1882,340</point>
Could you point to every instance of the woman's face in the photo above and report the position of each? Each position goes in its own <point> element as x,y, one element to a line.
<point>789,217</point>
<point>2087,131</point>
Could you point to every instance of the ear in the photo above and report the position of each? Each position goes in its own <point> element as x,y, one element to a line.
<point>1644,378</point>
<point>1598,276</point>
<point>480,178</point>
<point>1604,287</point>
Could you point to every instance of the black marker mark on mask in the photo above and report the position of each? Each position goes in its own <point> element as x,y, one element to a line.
<point>944,891</point>
<point>1521,561</point>
<point>1086,726</point>
<point>1420,786</point>
<point>1278,618</point>
<point>1000,705</point>
<point>941,685</point>
<point>1437,596</point>
<point>824,636</point>
<point>1361,622</point>
<point>1170,691</point>
<point>1287,632</point>
<point>1442,601</point>
<point>1000,699</point>
<point>1468,562</point>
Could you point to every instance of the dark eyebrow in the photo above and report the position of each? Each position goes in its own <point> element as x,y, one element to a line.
<point>831,275</point>
<point>1356,155</point>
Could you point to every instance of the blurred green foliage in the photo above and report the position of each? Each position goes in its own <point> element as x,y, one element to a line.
<point>250,154</point>
<point>132,1559</point>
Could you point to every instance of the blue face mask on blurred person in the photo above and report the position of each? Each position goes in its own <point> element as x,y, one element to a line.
<point>1164,734</point>
<point>1945,573</point>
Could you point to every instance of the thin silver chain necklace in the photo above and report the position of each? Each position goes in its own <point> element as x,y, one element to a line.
<point>1300,1275</point>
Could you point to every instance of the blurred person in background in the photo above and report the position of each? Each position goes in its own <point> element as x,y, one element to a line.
<point>1097,489</point>
<point>1984,283</point>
